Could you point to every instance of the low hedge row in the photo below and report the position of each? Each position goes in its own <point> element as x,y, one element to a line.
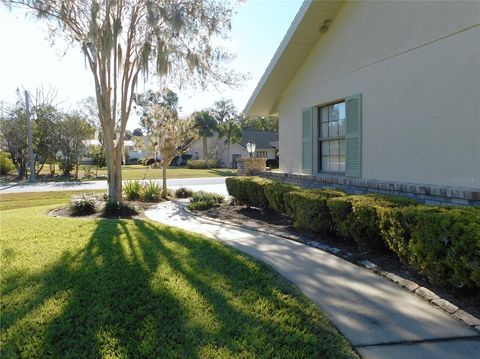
<point>248,191</point>
<point>309,210</point>
<point>443,243</point>
<point>201,164</point>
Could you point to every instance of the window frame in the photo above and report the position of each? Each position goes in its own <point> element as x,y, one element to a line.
<point>321,139</point>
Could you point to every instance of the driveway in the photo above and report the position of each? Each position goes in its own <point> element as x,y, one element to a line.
<point>210,184</point>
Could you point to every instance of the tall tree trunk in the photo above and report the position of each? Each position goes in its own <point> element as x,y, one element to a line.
<point>229,164</point>
<point>52,168</point>
<point>205,150</point>
<point>76,169</point>
<point>164,178</point>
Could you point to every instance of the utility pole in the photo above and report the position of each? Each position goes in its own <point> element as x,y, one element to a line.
<point>31,156</point>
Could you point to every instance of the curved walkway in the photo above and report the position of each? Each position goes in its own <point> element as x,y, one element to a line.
<point>379,318</point>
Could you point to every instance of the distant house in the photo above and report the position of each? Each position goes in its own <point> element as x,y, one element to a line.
<point>131,152</point>
<point>379,96</point>
<point>266,146</point>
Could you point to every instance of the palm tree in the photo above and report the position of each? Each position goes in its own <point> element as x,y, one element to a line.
<point>206,126</point>
<point>232,132</point>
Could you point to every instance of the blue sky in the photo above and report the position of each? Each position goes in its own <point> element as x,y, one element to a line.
<point>28,60</point>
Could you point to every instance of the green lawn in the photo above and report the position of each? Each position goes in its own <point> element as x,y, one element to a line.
<point>76,288</point>
<point>138,172</point>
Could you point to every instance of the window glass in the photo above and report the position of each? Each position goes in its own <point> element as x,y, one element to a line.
<point>343,147</point>
<point>332,124</point>
<point>333,129</point>
<point>324,130</point>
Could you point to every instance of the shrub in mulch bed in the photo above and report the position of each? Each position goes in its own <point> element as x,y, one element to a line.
<point>118,209</point>
<point>357,217</point>
<point>248,190</point>
<point>443,243</point>
<point>309,210</point>
<point>202,201</point>
<point>183,192</point>
<point>275,193</point>
<point>82,205</point>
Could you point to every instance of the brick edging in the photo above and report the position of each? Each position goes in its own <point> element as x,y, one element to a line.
<point>414,288</point>
<point>425,193</point>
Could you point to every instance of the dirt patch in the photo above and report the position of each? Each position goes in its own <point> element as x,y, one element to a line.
<point>272,222</point>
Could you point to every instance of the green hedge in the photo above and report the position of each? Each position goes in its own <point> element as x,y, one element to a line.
<point>357,217</point>
<point>309,210</point>
<point>441,243</point>
<point>201,164</point>
<point>275,193</point>
<point>248,190</point>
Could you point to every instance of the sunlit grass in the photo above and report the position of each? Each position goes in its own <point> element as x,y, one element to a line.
<point>76,288</point>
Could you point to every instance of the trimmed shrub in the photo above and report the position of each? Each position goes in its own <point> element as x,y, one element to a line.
<point>82,205</point>
<point>207,196</point>
<point>201,205</point>
<point>248,190</point>
<point>357,217</point>
<point>441,243</point>
<point>201,164</point>
<point>275,193</point>
<point>309,210</point>
<point>118,209</point>
<point>151,192</point>
<point>202,201</point>
<point>183,192</point>
<point>132,190</point>
<point>6,164</point>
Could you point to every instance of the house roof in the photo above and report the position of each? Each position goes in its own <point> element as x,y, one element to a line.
<point>262,139</point>
<point>306,29</point>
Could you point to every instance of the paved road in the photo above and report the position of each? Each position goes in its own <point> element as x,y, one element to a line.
<point>379,318</point>
<point>211,184</point>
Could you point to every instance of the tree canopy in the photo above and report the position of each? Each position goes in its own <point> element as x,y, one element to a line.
<point>123,39</point>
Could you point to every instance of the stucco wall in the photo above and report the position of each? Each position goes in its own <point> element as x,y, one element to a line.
<point>417,67</point>
<point>219,146</point>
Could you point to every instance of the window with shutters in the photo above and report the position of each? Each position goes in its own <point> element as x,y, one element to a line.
<point>332,144</point>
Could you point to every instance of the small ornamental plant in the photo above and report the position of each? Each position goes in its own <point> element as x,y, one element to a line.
<point>82,205</point>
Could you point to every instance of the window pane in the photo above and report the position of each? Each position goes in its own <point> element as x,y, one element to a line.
<point>334,148</point>
<point>324,163</point>
<point>324,130</point>
<point>333,129</point>
<point>343,148</point>
<point>324,114</point>
<point>333,113</point>
<point>342,164</point>
<point>334,164</point>
<point>325,146</point>
<point>342,127</point>
<point>341,111</point>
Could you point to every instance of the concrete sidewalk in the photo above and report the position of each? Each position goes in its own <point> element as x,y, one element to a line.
<point>379,318</point>
<point>210,184</point>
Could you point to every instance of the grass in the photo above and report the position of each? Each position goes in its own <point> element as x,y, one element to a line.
<point>137,172</point>
<point>75,288</point>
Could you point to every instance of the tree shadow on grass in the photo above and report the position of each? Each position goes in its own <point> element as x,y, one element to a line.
<point>139,290</point>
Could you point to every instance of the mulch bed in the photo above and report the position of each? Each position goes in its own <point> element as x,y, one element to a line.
<point>139,206</point>
<point>272,222</point>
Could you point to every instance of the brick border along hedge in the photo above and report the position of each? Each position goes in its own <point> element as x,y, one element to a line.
<point>443,243</point>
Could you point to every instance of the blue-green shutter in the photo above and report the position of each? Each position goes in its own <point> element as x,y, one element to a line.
<point>353,114</point>
<point>307,140</point>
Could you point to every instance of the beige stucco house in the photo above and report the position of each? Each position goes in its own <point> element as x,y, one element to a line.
<point>379,96</point>
<point>266,147</point>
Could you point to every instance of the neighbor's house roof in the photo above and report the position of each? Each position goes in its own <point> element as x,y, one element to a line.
<point>303,34</point>
<point>263,140</point>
